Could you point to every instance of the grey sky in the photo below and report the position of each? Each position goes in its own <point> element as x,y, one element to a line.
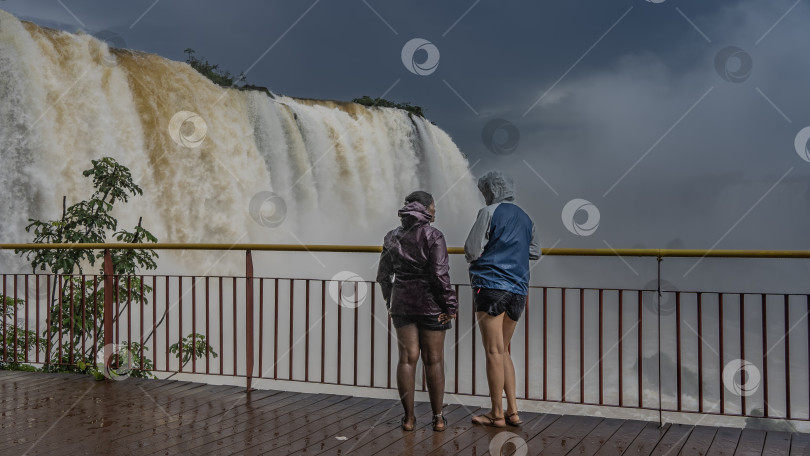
<point>723,171</point>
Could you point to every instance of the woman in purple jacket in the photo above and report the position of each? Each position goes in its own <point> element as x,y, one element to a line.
<point>415,281</point>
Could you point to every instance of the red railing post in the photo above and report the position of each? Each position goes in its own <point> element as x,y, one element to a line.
<point>109,284</point>
<point>249,316</point>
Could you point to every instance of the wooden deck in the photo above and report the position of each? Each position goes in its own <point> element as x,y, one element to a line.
<point>73,414</point>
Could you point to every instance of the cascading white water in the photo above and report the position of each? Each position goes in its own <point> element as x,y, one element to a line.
<point>341,169</point>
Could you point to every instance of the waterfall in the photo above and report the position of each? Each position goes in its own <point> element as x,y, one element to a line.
<point>209,159</point>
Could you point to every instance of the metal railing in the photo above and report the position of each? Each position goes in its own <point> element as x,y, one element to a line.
<point>577,345</point>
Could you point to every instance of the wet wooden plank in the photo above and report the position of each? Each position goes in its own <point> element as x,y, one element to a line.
<point>470,438</point>
<point>387,428</point>
<point>227,408</point>
<point>800,445</point>
<point>485,435</point>
<point>396,442</point>
<point>699,442</point>
<point>672,442</point>
<point>349,424</point>
<point>725,442</point>
<point>646,440</point>
<point>107,402</point>
<point>31,427</point>
<point>220,433</point>
<point>38,411</point>
<point>751,443</point>
<point>20,391</point>
<point>280,433</point>
<point>137,420</point>
<point>142,416</point>
<point>549,435</point>
<point>569,439</point>
<point>597,438</point>
<point>33,402</point>
<point>776,443</point>
<point>530,430</point>
<point>10,374</point>
<point>226,414</point>
<point>24,378</point>
<point>622,438</point>
<point>93,419</point>
<point>257,426</point>
<point>458,422</point>
<point>424,439</point>
<point>200,412</point>
<point>10,388</point>
<point>21,401</point>
<point>168,413</point>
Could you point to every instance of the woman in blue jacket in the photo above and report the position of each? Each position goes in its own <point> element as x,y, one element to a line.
<point>498,248</point>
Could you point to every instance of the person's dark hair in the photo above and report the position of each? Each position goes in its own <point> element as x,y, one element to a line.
<point>424,198</point>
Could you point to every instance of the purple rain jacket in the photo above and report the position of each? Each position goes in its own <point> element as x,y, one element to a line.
<point>414,271</point>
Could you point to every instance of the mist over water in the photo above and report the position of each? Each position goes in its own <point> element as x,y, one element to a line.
<point>341,170</point>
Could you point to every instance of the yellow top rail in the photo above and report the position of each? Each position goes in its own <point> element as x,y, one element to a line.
<point>655,253</point>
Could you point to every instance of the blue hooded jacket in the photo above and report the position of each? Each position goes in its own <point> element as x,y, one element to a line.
<point>502,240</point>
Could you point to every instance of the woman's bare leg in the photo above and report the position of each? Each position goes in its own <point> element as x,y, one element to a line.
<point>408,343</point>
<point>431,343</point>
<point>492,336</point>
<point>508,367</point>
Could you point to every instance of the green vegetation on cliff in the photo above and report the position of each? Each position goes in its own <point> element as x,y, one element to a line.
<point>366,100</point>
<point>212,71</point>
<point>226,79</point>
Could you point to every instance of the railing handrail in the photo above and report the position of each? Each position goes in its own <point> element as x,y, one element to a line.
<point>655,253</point>
<point>111,301</point>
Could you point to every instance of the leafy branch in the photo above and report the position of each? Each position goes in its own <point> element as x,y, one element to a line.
<point>212,71</point>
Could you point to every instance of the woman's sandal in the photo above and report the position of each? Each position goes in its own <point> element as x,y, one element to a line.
<point>405,427</point>
<point>513,422</point>
<point>486,420</point>
<point>436,423</point>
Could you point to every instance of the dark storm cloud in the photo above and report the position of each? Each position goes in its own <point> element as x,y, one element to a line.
<point>717,155</point>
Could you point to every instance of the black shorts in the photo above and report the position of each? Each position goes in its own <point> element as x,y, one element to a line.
<point>496,302</point>
<point>430,322</point>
